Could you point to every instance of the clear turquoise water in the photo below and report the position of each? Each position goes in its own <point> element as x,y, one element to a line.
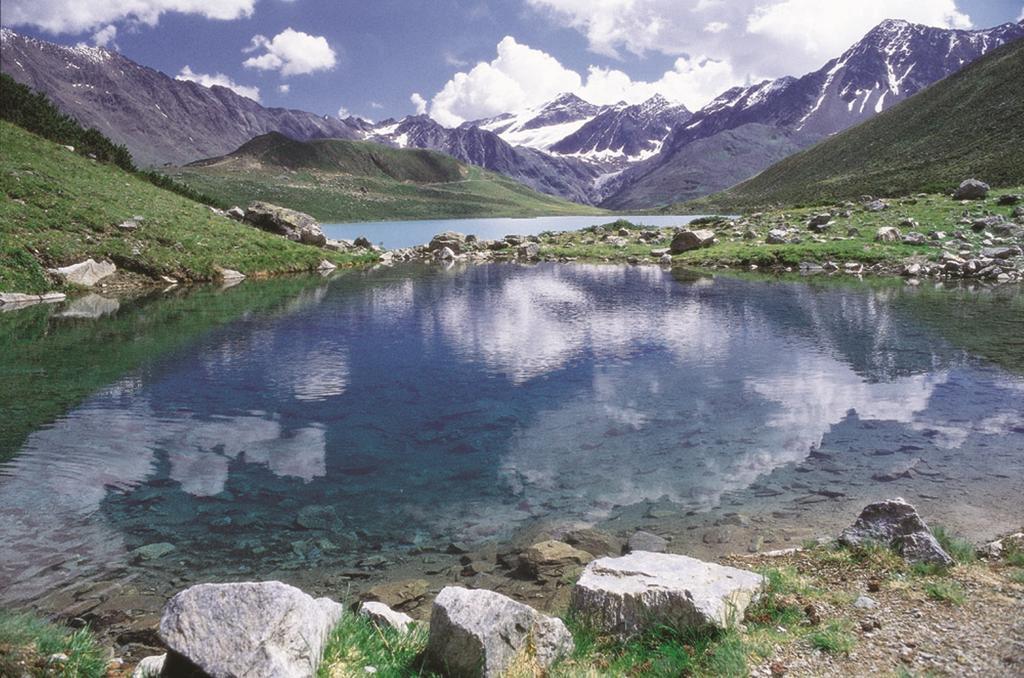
<point>396,234</point>
<point>401,409</point>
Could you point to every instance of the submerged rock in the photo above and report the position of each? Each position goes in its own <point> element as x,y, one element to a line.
<point>646,541</point>
<point>482,633</point>
<point>642,590</point>
<point>896,524</point>
<point>85,273</point>
<point>152,551</point>
<point>246,629</point>
<point>594,542</point>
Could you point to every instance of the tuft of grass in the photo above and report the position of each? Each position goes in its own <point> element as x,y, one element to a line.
<point>661,651</point>
<point>960,549</point>
<point>945,591</point>
<point>28,646</point>
<point>835,637</point>
<point>1015,557</point>
<point>929,570</point>
<point>357,643</point>
<point>1017,576</point>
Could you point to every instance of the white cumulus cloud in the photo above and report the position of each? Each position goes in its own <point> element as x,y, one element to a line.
<point>77,16</point>
<point>211,79</point>
<point>419,103</point>
<point>518,77</point>
<point>751,39</point>
<point>522,76</point>
<point>291,52</point>
<point>105,36</point>
<point>284,89</point>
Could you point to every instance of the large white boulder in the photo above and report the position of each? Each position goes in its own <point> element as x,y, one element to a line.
<point>641,590</point>
<point>482,633</point>
<point>85,273</point>
<point>247,629</point>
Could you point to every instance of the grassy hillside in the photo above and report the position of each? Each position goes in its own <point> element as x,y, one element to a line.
<point>58,208</point>
<point>338,180</point>
<point>968,125</point>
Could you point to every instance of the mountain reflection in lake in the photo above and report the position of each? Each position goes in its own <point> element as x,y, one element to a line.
<point>412,407</point>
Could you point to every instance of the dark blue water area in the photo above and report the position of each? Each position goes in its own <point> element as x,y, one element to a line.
<point>403,409</point>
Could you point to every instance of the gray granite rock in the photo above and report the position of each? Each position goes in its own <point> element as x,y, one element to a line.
<point>632,593</point>
<point>896,524</point>
<point>85,273</point>
<point>247,629</point>
<point>482,633</point>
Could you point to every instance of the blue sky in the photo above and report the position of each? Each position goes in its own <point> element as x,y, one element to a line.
<point>473,58</point>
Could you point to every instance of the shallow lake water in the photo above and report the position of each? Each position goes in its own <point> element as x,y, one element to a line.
<point>347,422</point>
<point>396,234</point>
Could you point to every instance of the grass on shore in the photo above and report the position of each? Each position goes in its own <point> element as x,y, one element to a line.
<point>30,646</point>
<point>740,241</point>
<point>804,608</point>
<point>58,208</point>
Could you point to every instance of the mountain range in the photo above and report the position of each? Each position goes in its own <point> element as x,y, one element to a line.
<point>619,156</point>
<point>967,125</point>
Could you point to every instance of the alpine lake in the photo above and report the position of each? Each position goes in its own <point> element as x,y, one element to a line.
<point>335,432</point>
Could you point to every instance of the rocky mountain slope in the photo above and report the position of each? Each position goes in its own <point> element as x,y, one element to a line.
<point>968,125</point>
<point>624,134</point>
<point>563,177</point>
<point>893,61</point>
<point>160,119</point>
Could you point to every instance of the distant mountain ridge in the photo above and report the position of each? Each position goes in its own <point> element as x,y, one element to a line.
<point>618,156</point>
<point>967,125</point>
<point>893,61</point>
<point>160,119</point>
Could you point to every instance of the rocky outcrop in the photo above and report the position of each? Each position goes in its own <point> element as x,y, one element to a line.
<point>482,633</point>
<point>85,273</point>
<point>246,629</point>
<point>641,590</point>
<point>294,225</point>
<point>972,189</point>
<point>896,524</point>
<point>687,240</point>
<point>552,560</point>
<point>456,242</point>
<point>383,616</point>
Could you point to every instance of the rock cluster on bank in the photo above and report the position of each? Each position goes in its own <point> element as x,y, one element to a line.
<point>896,524</point>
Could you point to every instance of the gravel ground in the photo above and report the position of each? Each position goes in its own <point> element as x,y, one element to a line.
<point>908,632</point>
